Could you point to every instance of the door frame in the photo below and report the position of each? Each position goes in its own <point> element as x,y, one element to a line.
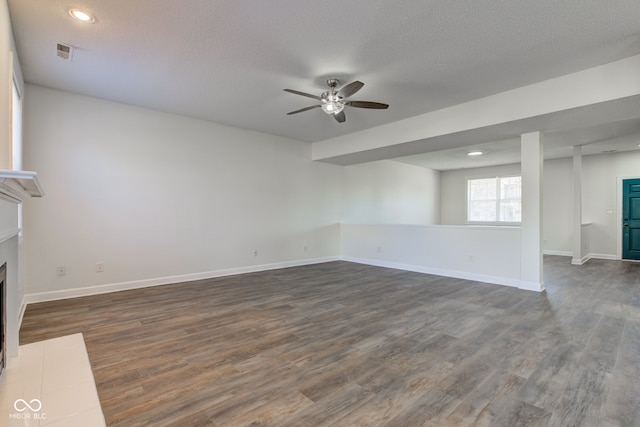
<point>619,180</point>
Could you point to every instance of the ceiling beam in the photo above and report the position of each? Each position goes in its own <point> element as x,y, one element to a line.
<point>560,103</point>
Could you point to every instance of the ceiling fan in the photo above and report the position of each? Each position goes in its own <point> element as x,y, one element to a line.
<point>333,101</point>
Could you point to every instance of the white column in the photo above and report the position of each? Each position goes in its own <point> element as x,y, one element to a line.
<point>577,206</point>
<point>531,275</point>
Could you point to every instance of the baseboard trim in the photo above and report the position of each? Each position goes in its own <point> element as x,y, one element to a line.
<point>580,261</point>
<point>159,281</point>
<point>531,286</point>
<point>558,253</point>
<point>23,308</point>
<point>588,257</point>
<point>497,280</point>
<point>604,256</point>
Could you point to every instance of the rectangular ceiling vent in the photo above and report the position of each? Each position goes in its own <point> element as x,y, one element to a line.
<point>65,51</point>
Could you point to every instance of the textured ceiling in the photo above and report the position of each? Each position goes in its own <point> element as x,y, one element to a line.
<point>228,61</point>
<point>610,138</point>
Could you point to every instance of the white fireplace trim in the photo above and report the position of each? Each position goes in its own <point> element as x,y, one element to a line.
<point>17,186</point>
<point>9,234</point>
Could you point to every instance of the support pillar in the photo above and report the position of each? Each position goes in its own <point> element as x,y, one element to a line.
<point>577,206</point>
<point>531,263</point>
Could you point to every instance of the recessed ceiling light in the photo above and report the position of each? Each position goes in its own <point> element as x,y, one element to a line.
<point>475,153</point>
<point>82,16</point>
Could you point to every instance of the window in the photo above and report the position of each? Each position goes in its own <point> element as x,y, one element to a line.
<point>494,200</point>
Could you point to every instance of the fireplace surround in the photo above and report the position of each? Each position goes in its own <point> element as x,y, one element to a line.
<point>15,188</point>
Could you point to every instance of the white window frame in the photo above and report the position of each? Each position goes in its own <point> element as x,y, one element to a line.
<point>498,200</point>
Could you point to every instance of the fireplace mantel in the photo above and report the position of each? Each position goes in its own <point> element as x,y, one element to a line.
<point>17,186</point>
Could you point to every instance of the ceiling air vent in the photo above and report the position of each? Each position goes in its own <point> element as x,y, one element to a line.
<point>65,51</point>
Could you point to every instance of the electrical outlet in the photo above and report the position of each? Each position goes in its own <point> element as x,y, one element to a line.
<point>61,271</point>
<point>99,267</point>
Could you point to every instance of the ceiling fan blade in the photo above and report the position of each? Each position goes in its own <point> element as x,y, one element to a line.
<point>350,89</point>
<point>367,104</point>
<point>303,109</point>
<point>308,95</point>
<point>340,117</point>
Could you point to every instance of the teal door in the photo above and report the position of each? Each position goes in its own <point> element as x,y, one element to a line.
<point>631,219</point>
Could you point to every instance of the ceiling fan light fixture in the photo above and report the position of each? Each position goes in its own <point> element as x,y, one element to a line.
<point>332,107</point>
<point>332,103</point>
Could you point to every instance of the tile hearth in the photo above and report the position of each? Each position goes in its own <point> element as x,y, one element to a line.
<point>51,384</point>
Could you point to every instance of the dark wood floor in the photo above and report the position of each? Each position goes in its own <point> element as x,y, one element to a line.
<point>344,344</point>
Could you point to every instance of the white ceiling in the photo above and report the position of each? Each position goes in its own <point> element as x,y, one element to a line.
<point>599,139</point>
<point>228,61</point>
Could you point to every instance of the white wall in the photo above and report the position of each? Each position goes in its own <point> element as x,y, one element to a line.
<point>155,195</point>
<point>6,71</point>
<point>557,218</point>
<point>453,251</point>
<point>389,192</point>
<point>599,185</point>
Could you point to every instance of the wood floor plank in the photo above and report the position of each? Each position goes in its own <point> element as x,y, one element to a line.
<point>522,414</point>
<point>483,405</point>
<point>395,396</point>
<point>328,410</point>
<point>623,403</point>
<point>583,399</point>
<point>602,351</point>
<point>346,344</point>
<point>547,382</point>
